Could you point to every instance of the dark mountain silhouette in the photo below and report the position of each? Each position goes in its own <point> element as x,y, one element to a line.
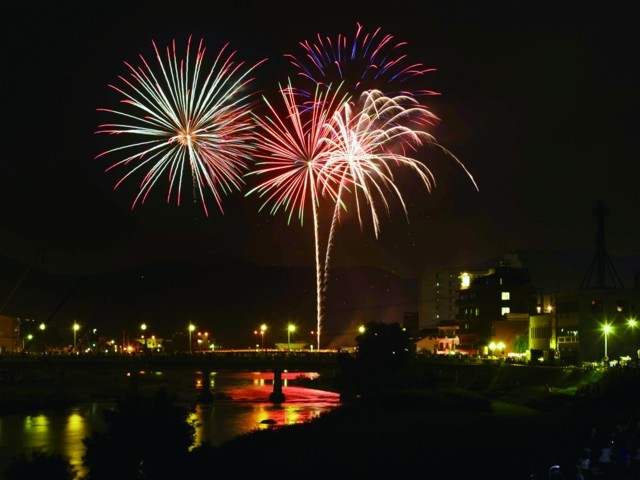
<point>230,298</point>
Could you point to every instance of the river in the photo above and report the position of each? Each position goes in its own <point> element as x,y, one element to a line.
<point>246,406</point>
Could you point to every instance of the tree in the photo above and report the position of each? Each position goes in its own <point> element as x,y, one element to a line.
<point>146,437</point>
<point>382,361</point>
<point>384,344</point>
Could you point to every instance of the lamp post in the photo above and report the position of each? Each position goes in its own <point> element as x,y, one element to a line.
<point>263,329</point>
<point>633,323</point>
<point>290,328</point>
<point>42,329</point>
<point>143,327</point>
<point>76,327</point>
<point>607,329</point>
<point>191,329</point>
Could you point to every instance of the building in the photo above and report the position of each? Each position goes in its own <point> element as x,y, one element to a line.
<point>439,292</point>
<point>9,334</point>
<point>441,340</point>
<point>486,300</point>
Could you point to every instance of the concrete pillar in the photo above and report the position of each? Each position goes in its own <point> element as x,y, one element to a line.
<point>277,396</point>
<point>205,395</point>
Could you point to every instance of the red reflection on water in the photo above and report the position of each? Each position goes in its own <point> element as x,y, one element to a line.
<point>246,406</point>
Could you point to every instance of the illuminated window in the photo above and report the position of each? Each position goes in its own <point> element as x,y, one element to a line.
<point>465,280</point>
<point>505,310</point>
<point>506,296</point>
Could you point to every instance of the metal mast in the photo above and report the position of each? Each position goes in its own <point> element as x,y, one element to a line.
<point>605,273</point>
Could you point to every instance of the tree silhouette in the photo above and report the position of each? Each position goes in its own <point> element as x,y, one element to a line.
<point>382,360</point>
<point>384,344</point>
<point>146,437</point>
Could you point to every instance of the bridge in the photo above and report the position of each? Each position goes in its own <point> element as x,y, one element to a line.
<point>274,361</point>
<point>268,360</point>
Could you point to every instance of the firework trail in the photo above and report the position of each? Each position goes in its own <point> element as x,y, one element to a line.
<point>179,116</point>
<point>368,141</point>
<point>293,148</point>
<point>368,61</point>
<point>364,140</point>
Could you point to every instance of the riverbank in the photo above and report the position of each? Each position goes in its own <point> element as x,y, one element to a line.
<point>515,422</point>
<point>513,431</point>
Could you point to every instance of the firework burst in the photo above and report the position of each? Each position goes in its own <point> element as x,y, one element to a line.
<point>368,141</point>
<point>368,61</point>
<point>177,116</point>
<point>293,149</point>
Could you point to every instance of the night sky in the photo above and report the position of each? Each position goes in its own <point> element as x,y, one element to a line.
<point>539,100</point>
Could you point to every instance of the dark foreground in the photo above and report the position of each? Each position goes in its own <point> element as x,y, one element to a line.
<point>512,432</point>
<point>512,428</point>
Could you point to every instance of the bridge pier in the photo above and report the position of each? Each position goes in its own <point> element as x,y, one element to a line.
<point>205,395</point>
<point>277,396</point>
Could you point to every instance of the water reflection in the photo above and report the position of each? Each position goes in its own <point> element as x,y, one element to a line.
<point>245,407</point>
<point>55,432</point>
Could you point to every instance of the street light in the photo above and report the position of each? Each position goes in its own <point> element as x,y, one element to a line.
<point>191,329</point>
<point>76,327</point>
<point>143,327</point>
<point>42,328</point>
<point>290,328</point>
<point>607,328</point>
<point>263,329</point>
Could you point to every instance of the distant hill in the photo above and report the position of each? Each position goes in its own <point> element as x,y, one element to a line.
<point>225,296</point>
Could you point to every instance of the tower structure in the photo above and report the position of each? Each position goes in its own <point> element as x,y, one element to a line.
<point>601,272</point>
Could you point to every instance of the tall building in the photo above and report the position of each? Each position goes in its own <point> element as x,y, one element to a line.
<point>439,293</point>
<point>9,334</point>
<point>496,296</point>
